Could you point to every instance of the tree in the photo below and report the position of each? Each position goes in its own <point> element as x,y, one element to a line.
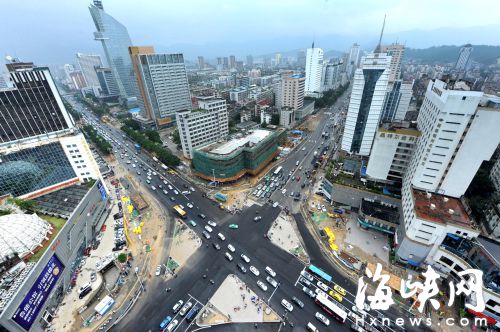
<point>176,137</point>
<point>122,258</point>
<point>26,205</point>
<point>263,124</point>
<point>153,136</point>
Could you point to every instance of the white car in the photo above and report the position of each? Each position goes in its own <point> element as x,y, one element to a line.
<point>158,270</point>
<point>254,270</point>
<point>211,223</point>
<point>176,192</point>
<point>275,204</point>
<point>221,237</point>
<point>287,305</point>
<point>165,192</point>
<point>322,318</point>
<point>153,187</point>
<point>154,173</point>
<point>262,285</point>
<point>283,191</point>
<point>231,248</point>
<point>307,276</point>
<point>270,271</point>
<point>272,282</point>
<point>208,229</point>
<point>322,286</point>
<point>170,187</point>
<point>165,182</point>
<point>189,205</point>
<point>245,258</point>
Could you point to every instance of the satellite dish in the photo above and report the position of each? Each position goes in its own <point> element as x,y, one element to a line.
<point>9,58</point>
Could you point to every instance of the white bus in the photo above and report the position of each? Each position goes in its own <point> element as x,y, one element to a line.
<point>278,170</point>
<point>333,309</point>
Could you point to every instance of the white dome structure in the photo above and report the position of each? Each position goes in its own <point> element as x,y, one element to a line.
<point>22,234</point>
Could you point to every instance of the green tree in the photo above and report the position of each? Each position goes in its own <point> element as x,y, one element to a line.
<point>263,124</point>
<point>24,204</point>
<point>153,135</point>
<point>176,137</point>
<point>122,257</point>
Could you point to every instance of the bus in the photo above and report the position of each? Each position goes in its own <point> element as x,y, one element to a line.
<point>180,211</point>
<point>320,273</point>
<point>331,308</point>
<point>278,170</point>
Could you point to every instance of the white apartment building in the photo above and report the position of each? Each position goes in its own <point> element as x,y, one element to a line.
<point>392,149</point>
<point>238,94</point>
<point>330,77</point>
<point>206,125</point>
<point>292,91</point>
<point>88,64</point>
<point>366,104</point>
<point>396,51</point>
<point>459,130</point>
<point>287,117</point>
<point>314,70</point>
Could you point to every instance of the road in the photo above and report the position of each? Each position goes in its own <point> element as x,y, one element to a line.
<point>189,284</point>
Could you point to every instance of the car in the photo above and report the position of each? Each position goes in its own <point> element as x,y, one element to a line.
<point>275,204</point>
<point>311,327</point>
<point>322,318</point>
<point>201,215</point>
<point>262,285</point>
<point>165,322</point>
<point>272,282</point>
<point>288,306</point>
<point>339,290</point>
<point>216,246</point>
<point>154,173</point>
<point>211,223</point>
<point>306,275</point>
<point>138,172</point>
<point>158,270</point>
<point>283,191</point>
<point>257,218</point>
<point>231,248</point>
<point>176,192</point>
<point>148,181</point>
<point>170,187</point>
<point>305,281</point>
<point>336,296</point>
<point>297,163</point>
<point>270,271</point>
<point>322,286</point>
<point>245,258</point>
<point>208,229</point>
<point>172,198</point>
<point>177,306</point>
<point>206,235</point>
<point>229,257</point>
<point>254,270</point>
<point>189,205</point>
<point>233,226</point>
<point>165,182</point>
<point>359,311</point>
<point>192,223</point>
<point>241,268</point>
<point>165,192</point>
<point>185,308</point>
<point>172,325</point>
<point>298,302</point>
<point>192,189</point>
<point>309,292</point>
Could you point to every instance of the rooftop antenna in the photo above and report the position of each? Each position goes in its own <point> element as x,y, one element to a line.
<point>379,45</point>
<point>314,37</point>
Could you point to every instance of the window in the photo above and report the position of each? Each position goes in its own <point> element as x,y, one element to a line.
<point>446,260</point>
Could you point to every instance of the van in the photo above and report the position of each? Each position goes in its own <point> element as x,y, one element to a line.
<point>228,256</point>
<point>84,292</point>
<point>311,327</point>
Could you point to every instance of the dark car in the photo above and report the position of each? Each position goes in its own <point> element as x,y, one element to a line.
<point>298,302</point>
<point>201,215</point>
<point>216,246</point>
<point>242,268</point>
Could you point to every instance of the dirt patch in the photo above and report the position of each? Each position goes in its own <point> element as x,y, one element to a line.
<point>184,244</point>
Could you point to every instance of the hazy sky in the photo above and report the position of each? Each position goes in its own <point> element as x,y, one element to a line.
<point>51,30</point>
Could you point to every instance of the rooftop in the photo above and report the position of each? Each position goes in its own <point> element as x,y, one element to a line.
<point>234,144</point>
<point>403,128</point>
<point>63,202</point>
<point>380,210</point>
<point>440,209</point>
<point>350,166</point>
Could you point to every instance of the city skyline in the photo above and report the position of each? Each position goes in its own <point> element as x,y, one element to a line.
<point>285,29</point>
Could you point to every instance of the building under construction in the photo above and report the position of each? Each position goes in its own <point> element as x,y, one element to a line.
<point>229,161</point>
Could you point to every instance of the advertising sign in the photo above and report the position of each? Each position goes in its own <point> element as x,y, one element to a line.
<point>102,190</point>
<point>34,301</point>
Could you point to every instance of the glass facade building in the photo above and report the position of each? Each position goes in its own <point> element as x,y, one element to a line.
<point>34,168</point>
<point>115,42</point>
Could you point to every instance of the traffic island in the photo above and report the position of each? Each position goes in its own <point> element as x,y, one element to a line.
<point>284,234</point>
<point>235,302</point>
<point>184,244</point>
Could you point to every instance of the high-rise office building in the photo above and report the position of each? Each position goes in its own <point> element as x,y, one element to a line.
<point>142,97</point>
<point>396,51</point>
<point>225,64</point>
<point>314,69</point>
<point>353,59</point>
<point>292,91</point>
<point>366,104</point>
<point>459,131</point>
<point>164,85</point>
<point>277,59</point>
<point>201,63</point>
<point>232,62</point>
<point>107,82</point>
<point>249,61</point>
<point>330,77</point>
<point>88,63</point>
<point>115,41</point>
<point>397,101</point>
<point>464,57</point>
<point>207,125</point>
<point>39,148</point>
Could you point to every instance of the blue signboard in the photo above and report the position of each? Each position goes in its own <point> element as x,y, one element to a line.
<point>34,301</point>
<point>102,190</point>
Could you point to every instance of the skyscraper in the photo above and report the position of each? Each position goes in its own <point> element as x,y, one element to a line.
<point>397,100</point>
<point>353,59</point>
<point>164,85</point>
<point>366,104</point>
<point>88,63</point>
<point>107,82</point>
<point>396,51</point>
<point>142,97</point>
<point>314,69</point>
<point>250,61</point>
<point>232,62</point>
<point>292,91</point>
<point>464,57</point>
<point>115,42</point>
<point>201,63</point>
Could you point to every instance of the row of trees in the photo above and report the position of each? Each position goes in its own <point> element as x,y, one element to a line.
<point>76,116</point>
<point>98,110</point>
<point>153,146</point>
<point>99,141</point>
<point>330,97</point>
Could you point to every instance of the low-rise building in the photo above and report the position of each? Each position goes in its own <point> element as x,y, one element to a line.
<point>378,215</point>
<point>230,160</point>
<point>287,117</point>
<point>305,110</point>
<point>238,94</point>
<point>492,218</point>
<point>203,126</point>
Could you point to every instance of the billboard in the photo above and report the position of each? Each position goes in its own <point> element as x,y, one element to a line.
<point>36,297</point>
<point>102,190</point>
